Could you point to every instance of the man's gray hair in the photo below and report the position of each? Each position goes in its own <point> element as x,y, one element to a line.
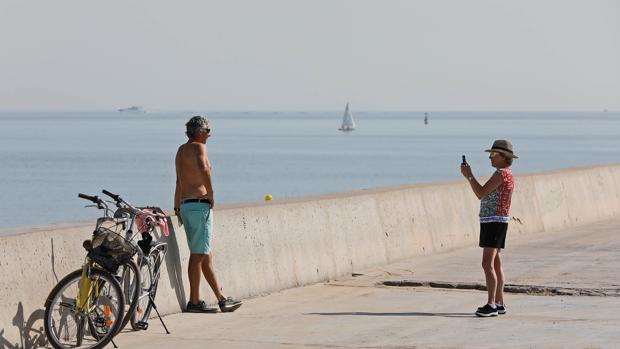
<point>195,124</point>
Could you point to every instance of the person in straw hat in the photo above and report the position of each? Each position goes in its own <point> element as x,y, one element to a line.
<point>495,196</point>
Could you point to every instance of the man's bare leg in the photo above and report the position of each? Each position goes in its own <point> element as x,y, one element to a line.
<point>499,274</point>
<point>488,257</point>
<point>207,270</point>
<point>193,272</point>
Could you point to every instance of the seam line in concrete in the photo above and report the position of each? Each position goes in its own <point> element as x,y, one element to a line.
<point>510,288</point>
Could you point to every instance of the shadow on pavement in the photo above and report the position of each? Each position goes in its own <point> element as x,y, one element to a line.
<point>31,333</point>
<point>362,313</point>
<point>173,265</point>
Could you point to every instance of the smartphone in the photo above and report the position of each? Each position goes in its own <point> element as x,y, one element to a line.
<point>464,162</point>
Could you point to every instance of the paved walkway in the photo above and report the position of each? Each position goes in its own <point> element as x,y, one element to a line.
<point>360,312</point>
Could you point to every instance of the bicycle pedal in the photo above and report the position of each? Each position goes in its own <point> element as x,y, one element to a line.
<point>141,325</point>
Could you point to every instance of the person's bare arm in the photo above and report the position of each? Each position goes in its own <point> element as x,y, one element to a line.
<point>482,190</point>
<point>177,190</point>
<point>205,169</point>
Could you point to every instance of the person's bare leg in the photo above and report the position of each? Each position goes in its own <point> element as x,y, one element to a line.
<point>499,274</point>
<point>193,272</point>
<point>207,270</point>
<point>488,256</point>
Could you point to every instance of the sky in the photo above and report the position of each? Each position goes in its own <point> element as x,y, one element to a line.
<point>310,55</point>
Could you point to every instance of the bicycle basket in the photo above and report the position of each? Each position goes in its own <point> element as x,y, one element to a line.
<point>108,263</point>
<point>111,250</point>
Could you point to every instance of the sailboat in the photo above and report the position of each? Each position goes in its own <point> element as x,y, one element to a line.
<point>347,120</point>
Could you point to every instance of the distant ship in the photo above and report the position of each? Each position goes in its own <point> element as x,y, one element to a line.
<point>132,109</point>
<point>347,120</point>
<point>425,118</point>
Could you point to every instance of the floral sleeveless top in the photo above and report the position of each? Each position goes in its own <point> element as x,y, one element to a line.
<point>494,207</point>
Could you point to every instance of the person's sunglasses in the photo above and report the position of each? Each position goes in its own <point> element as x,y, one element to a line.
<point>207,130</point>
<point>493,153</point>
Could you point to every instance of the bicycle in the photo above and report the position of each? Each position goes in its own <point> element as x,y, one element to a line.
<point>150,256</point>
<point>86,308</point>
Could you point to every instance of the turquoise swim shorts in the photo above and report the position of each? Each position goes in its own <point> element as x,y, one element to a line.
<point>198,221</point>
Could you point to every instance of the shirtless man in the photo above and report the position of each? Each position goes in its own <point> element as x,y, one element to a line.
<point>193,204</point>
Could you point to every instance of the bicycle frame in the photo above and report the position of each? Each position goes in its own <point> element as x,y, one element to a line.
<point>83,298</point>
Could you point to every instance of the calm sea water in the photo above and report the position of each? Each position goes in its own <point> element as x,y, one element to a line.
<point>48,157</point>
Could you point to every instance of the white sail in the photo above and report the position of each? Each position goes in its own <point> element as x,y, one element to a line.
<point>348,124</point>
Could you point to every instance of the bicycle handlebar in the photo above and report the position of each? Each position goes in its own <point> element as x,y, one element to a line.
<point>123,206</point>
<point>119,200</point>
<point>94,199</point>
<point>116,197</point>
<point>97,201</point>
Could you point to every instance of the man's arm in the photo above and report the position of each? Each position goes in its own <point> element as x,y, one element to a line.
<point>177,194</point>
<point>205,171</point>
<point>177,190</point>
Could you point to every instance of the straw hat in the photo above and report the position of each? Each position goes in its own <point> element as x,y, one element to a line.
<point>503,146</point>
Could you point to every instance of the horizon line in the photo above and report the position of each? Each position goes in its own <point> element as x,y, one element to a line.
<point>225,110</point>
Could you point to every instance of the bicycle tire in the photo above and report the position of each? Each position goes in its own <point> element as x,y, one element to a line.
<point>130,298</point>
<point>111,309</point>
<point>147,312</point>
<point>158,253</point>
<point>80,331</point>
<point>143,309</point>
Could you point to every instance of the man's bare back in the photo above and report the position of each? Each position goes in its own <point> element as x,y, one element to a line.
<point>193,173</point>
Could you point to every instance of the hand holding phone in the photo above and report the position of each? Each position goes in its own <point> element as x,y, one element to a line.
<point>465,169</point>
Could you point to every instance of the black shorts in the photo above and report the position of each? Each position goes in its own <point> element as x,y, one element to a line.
<point>493,234</point>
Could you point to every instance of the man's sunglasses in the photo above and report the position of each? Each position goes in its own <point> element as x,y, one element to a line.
<point>207,130</point>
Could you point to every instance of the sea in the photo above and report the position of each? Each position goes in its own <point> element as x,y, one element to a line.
<point>47,158</point>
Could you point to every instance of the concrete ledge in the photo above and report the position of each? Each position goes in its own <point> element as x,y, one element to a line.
<point>261,248</point>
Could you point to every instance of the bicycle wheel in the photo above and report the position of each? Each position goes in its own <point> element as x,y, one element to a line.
<point>130,284</point>
<point>92,326</point>
<point>143,310</point>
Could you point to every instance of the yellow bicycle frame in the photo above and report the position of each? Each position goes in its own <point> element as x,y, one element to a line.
<point>85,290</point>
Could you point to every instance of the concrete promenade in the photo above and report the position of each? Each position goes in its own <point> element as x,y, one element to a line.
<point>360,312</point>
<point>265,248</point>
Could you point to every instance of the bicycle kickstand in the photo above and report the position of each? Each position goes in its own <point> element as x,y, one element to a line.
<point>157,312</point>
<point>114,344</point>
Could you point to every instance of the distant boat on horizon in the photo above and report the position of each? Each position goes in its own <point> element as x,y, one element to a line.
<point>133,109</point>
<point>425,118</point>
<point>348,124</point>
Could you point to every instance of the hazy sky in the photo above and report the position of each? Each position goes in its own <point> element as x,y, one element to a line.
<point>310,55</point>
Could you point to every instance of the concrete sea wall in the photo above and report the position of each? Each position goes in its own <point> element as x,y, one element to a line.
<point>267,247</point>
